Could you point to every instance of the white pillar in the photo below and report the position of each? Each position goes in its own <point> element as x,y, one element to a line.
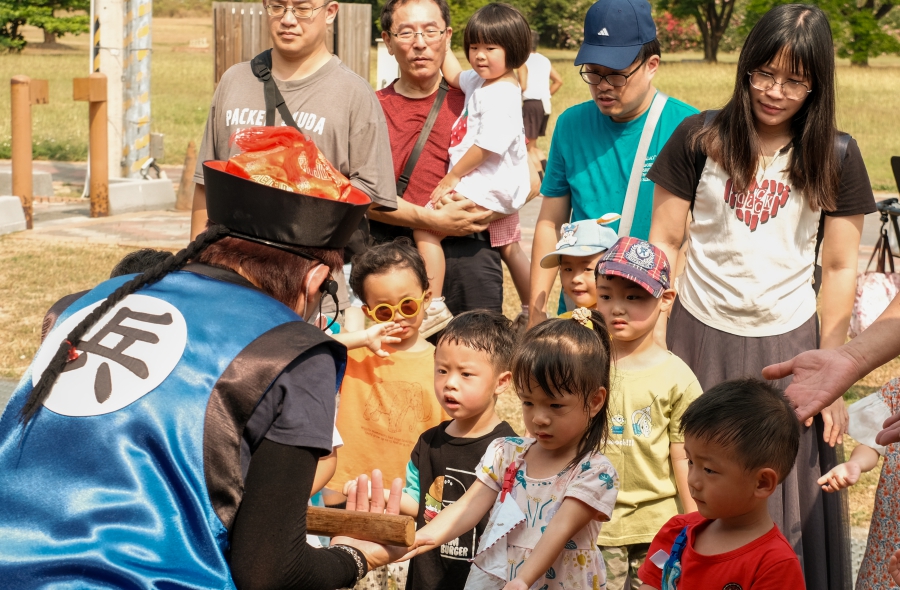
<point>111,14</point>
<point>136,87</point>
<point>387,69</point>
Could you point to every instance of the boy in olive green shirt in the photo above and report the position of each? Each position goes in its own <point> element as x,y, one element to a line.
<point>651,389</point>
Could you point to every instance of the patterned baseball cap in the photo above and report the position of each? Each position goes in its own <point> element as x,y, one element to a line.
<point>638,261</point>
<point>583,238</point>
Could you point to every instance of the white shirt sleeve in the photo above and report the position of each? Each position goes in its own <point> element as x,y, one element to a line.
<point>336,440</point>
<point>866,417</point>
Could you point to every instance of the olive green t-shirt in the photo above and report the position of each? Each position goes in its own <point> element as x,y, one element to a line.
<point>645,409</point>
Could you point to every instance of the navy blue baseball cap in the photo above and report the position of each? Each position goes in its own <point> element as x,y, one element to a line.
<point>614,31</point>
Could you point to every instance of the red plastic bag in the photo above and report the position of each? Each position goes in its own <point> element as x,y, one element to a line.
<point>285,158</point>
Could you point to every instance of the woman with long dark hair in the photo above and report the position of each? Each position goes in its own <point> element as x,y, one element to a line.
<point>167,432</point>
<point>762,178</point>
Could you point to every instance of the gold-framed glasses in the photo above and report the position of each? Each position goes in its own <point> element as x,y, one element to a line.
<point>300,12</point>
<point>429,35</point>
<point>789,88</point>
<point>407,307</point>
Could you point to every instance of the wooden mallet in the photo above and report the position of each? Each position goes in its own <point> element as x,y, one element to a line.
<point>385,529</point>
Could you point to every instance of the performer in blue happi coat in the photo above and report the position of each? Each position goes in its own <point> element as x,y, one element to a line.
<point>167,432</point>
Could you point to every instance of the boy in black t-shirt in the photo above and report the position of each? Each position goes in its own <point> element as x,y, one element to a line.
<point>471,368</point>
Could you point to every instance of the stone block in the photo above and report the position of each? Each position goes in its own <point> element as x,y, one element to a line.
<point>127,195</point>
<point>41,183</point>
<point>12,217</point>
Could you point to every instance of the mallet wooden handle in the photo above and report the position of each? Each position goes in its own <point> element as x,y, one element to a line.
<point>387,529</point>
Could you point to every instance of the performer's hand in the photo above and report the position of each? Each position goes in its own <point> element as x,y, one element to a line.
<point>820,378</point>
<point>358,499</point>
<point>516,584</point>
<point>891,432</point>
<point>379,335</point>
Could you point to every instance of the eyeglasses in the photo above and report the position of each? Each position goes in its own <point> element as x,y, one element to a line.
<point>430,36</point>
<point>408,307</point>
<point>299,12</point>
<point>789,88</point>
<point>614,80</point>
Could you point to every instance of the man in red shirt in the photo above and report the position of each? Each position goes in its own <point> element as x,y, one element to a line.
<point>417,34</point>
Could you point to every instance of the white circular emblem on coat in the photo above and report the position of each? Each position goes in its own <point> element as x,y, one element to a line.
<point>123,357</point>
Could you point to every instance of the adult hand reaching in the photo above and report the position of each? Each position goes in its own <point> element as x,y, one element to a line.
<point>891,432</point>
<point>820,378</point>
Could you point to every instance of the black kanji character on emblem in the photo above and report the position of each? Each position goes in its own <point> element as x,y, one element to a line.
<point>103,380</point>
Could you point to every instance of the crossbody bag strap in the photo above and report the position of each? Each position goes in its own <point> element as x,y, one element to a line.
<point>403,181</point>
<point>840,150</point>
<point>637,169</point>
<point>261,65</point>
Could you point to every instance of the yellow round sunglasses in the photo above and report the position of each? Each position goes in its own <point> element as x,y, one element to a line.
<point>407,307</point>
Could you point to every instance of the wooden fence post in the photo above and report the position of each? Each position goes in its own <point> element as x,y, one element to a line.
<point>20,105</point>
<point>93,90</point>
<point>24,92</point>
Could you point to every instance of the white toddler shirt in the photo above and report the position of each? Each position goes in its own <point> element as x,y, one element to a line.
<point>492,120</point>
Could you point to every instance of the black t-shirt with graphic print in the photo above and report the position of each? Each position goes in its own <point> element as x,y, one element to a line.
<point>446,467</point>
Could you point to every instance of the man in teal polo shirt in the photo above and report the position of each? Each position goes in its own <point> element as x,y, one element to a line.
<point>595,143</point>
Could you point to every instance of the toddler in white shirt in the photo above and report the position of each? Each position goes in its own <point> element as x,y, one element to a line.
<point>488,158</point>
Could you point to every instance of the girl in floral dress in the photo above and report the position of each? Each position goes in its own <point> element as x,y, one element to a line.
<point>866,418</point>
<point>547,494</point>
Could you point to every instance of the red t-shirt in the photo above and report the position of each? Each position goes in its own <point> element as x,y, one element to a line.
<point>768,562</point>
<point>405,119</point>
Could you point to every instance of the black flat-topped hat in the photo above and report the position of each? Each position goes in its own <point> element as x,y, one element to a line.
<point>280,218</point>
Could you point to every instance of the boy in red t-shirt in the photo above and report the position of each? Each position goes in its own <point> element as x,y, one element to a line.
<point>741,439</point>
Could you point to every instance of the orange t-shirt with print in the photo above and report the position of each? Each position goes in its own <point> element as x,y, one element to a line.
<point>386,404</point>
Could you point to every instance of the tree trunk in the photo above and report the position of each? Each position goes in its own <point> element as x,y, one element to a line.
<point>49,38</point>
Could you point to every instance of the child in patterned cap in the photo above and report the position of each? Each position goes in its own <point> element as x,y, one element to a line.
<point>580,246</point>
<point>651,389</point>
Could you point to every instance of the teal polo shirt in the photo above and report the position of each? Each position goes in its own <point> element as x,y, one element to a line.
<point>591,158</point>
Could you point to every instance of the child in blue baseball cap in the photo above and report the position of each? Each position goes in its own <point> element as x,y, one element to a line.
<point>580,246</point>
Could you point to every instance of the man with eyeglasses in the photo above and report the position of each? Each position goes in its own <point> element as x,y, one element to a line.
<point>328,102</point>
<point>417,34</point>
<point>595,145</point>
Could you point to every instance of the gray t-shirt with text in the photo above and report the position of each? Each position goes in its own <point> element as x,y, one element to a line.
<point>334,106</point>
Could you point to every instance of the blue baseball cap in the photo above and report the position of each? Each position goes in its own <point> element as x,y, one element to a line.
<point>614,31</point>
<point>583,238</point>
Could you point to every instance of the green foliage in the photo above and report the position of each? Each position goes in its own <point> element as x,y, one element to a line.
<point>53,16</point>
<point>713,18</point>
<point>860,31</point>
<point>13,16</point>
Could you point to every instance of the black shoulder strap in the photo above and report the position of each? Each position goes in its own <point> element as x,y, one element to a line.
<point>261,65</point>
<point>840,150</point>
<point>403,181</point>
<point>700,161</point>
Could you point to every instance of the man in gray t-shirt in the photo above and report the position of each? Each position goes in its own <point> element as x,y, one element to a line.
<point>329,102</point>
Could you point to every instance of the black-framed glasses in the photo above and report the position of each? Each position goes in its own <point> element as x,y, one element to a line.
<point>789,88</point>
<point>299,12</point>
<point>430,35</point>
<point>614,80</point>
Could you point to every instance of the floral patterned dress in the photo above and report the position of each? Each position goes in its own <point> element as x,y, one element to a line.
<point>594,481</point>
<point>866,417</point>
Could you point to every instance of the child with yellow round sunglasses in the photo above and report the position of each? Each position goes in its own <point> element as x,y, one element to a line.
<point>387,402</point>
